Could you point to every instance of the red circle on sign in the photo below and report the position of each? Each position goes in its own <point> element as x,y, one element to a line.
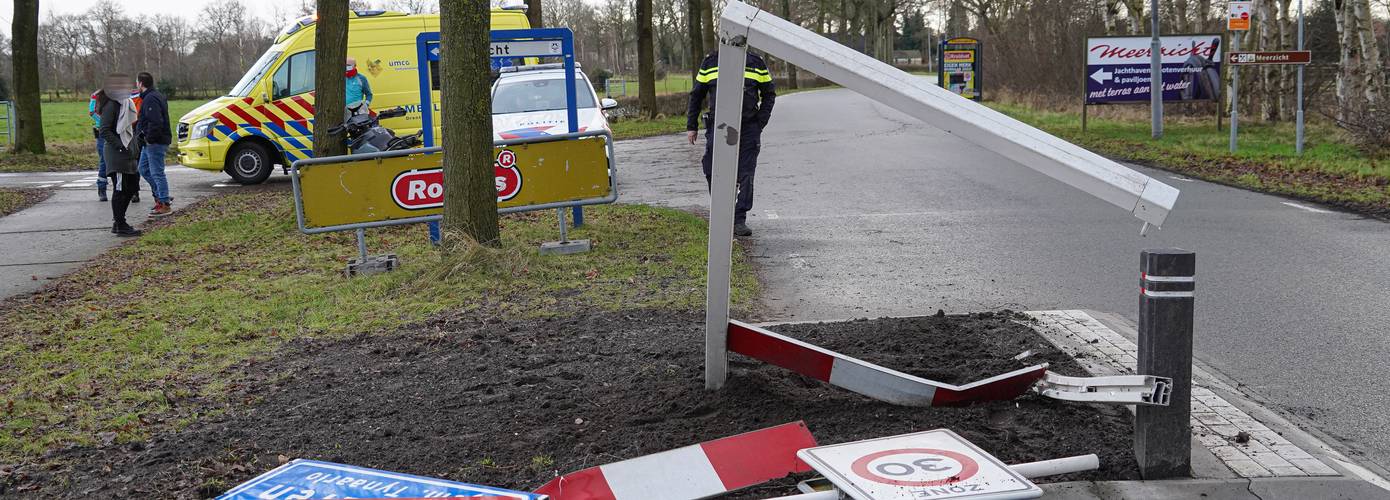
<point>1245,15</point>
<point>508,182</point>
<point>967,464</point>
<point>506,158</point>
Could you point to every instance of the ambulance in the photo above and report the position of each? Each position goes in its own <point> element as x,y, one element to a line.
<point>267,120</point>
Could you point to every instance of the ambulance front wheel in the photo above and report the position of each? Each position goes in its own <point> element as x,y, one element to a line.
<point>249,163</point>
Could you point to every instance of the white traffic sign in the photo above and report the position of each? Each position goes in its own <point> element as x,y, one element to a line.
<point>530,48</point>
<point>1238,18</point>
<point>935,464</point>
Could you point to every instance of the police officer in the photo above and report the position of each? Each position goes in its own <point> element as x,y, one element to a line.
<point>759,94</point>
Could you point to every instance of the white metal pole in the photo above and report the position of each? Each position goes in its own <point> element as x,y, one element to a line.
<point>1155,74</point>
<point>1298,112</point>
<point>728,113</point>
<point>1235,92</point>
<point>1057,466</point>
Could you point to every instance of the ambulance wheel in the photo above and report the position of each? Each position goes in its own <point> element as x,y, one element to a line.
<point>249,163</point>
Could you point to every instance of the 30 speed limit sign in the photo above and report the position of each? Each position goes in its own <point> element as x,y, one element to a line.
<point>924,465</point>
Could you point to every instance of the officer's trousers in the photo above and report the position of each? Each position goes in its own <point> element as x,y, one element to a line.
<point>749,144</point>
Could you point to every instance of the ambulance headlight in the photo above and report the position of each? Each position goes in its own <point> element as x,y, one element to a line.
<point>200,129</point>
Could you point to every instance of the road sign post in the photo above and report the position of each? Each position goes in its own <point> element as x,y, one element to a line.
<point>1163,434</point>
<point>1235,93</point>
<point>1156,85</point>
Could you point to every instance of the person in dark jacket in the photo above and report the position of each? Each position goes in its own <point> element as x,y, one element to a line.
<point>121,147</point>
<point>153,130</point>
<point>759,94</point>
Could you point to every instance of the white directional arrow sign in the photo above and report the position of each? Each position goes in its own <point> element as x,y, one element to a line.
<point>1100,76</point>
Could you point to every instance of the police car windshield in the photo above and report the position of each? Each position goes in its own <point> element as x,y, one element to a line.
<point>538,95</point>
<point>248,82</point>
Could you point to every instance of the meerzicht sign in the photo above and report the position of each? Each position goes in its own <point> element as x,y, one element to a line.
<point>1117,68</point>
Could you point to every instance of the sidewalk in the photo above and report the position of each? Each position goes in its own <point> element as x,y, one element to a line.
<point>51,238</point>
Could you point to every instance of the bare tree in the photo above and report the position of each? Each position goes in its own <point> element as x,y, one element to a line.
<point>330,94</point>
<point>470,192</point>
<point>24,51</point>
<point>646,65</point>
<point>695,34</point>
<point>534,16</point>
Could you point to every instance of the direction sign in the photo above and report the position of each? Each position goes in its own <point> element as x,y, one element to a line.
<point>314,479</point>
<point>936,464</point>
<point>1277,57</point>
<point>1118,68</point>
<point>528,48</point>
<point>1239,18</point>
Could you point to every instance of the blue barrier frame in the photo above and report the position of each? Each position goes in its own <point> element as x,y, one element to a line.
<point>428,48</point>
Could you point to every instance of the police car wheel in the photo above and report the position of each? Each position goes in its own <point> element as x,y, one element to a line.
<point>249,163</point>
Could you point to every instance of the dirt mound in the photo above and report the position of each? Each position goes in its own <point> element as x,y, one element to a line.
<point>513,404</point>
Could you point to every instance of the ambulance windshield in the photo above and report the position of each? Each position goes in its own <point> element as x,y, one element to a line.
<point>248,82</point>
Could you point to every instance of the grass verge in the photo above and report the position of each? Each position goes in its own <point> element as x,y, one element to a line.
<point>142,339</point>
<point>67,131</point>
<point>1330,171</point>
<point>13,200</point>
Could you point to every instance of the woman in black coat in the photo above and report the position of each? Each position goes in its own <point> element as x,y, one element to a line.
<point>117,118</point>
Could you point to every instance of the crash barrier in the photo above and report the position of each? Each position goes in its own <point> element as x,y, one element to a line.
<point>742,25</point>
<point>363,191</point>
<point>900,388</point>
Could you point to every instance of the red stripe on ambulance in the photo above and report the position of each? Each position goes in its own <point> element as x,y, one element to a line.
<point>697,471</point>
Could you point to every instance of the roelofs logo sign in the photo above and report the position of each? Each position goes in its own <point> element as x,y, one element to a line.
<point>507,175</point>
<point>419,189</point>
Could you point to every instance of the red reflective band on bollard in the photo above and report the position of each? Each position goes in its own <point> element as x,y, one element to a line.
<point>696,471</point>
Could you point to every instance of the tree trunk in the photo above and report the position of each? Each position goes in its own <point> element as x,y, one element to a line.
<point>1203,10</point>
<point>330,97</point>
<point>533,14</point>
<point>646,63</point>
<point>693,25</point>
<point>791,70</point>
<point>1135,9</point>
<point>470,192</point>
<point>711,29</point>
<point>1372,74</point>
<point>1347,67</point>
<point>1265,21</point>
<point>1109,16</point>
<point>24,65</point>
<point>1286,84</point>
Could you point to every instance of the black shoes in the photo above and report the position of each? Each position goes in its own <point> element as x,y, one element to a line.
<point>135,199</point>
<point>101,195</point>
<point>741,229</point>
<point>124,230</point>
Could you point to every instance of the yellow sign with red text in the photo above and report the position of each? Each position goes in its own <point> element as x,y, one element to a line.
<point>360,191</point>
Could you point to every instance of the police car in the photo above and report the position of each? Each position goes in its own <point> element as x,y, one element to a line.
<point>529,102</point>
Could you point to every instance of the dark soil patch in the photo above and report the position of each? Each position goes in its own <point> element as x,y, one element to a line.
<point>512,404</point>
<point>14,200</point>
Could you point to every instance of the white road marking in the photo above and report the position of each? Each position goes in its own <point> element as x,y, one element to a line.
<point>797,262</point>
<point>1303,207</point>
<point>225,185</point>
<point>1184,179</point>
<point>772,215</point>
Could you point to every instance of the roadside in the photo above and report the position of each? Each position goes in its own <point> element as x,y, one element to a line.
<point>15,199</point>
<point>1331,170</point>
<point>154,335</point>
<point>71,147</point>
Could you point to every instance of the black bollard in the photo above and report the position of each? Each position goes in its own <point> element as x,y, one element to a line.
<point>1163,434</point>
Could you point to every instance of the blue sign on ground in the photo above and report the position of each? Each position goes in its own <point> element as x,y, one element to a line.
<point>305,479</point>
<point>1117,68</point>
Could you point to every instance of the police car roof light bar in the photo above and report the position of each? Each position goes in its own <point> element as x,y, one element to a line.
<point>742,25</point>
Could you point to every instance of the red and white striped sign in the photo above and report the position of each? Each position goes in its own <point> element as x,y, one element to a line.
<point>697,471</point>
<point>872,380</point>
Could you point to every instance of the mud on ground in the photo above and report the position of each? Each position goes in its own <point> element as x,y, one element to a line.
<point>513,403</point>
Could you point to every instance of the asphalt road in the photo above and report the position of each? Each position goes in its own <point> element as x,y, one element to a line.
<point>862,211</point>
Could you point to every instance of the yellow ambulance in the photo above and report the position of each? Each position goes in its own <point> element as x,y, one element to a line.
<point>267,120</point>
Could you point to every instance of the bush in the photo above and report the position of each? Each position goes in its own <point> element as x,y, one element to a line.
<point>1366,123</point>
<point>600,79</point>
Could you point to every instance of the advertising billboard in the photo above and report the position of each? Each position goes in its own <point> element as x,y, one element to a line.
<point>961,72</point>
<point>1117,68</point>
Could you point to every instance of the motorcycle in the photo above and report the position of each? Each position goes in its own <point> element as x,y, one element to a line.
<point>366,135</point>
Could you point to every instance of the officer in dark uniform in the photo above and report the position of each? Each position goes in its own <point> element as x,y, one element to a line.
<point>759,94</point>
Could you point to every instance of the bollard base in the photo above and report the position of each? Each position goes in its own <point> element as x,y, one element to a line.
<point>373,264</point>
<point>564,247</point>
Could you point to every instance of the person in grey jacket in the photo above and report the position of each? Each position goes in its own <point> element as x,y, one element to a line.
<point>118,133</point>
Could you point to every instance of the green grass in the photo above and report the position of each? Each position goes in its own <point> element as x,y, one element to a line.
<point>153,335</point>
<point>1330,170</point>
<point>672,83</point>
<point>633,128</point>
<point>14,200</point>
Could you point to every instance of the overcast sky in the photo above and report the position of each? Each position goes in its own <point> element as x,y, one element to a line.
<point>186,9</point>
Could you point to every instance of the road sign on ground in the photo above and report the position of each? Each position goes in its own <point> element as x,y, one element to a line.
<point>1277,57</point>
<point>934,464</point>
<point>1118,68</point>
<point>315,479</point>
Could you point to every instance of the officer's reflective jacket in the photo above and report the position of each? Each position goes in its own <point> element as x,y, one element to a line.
<point>759,93</point>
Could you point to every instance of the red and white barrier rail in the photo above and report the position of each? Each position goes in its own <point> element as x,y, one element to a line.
<point>698,471</point>
<point>896,387</point>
